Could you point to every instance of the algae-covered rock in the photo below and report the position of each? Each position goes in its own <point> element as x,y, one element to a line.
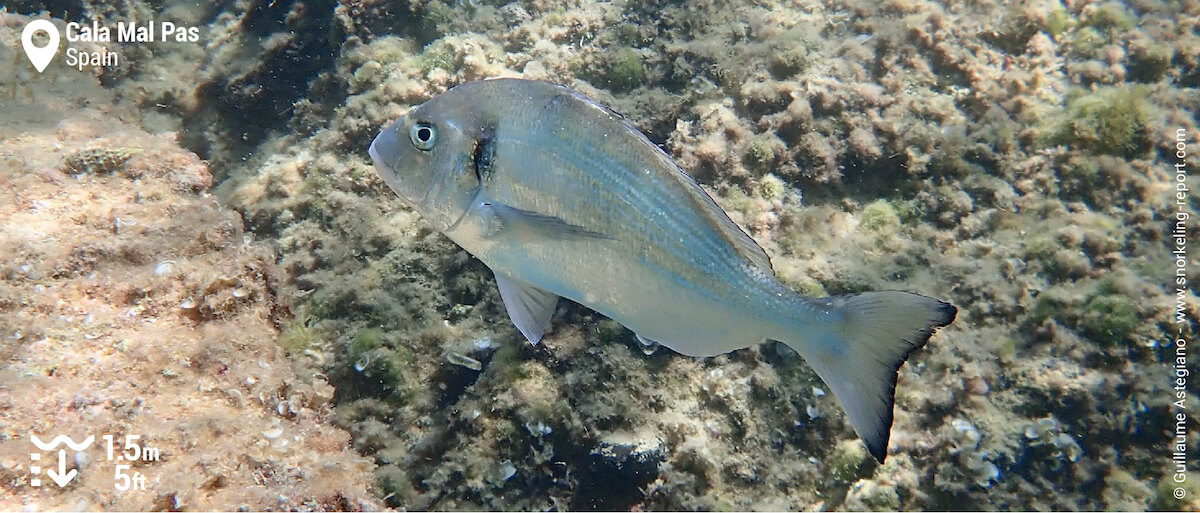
<point>1110,319</point>
<point>847,459</point>
<point>625,70</point>
<point>1019,171</point>
<point>1111,120</point>
<point>150,314</point>
<point>879,216</point>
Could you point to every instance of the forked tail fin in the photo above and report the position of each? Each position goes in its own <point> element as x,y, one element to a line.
<point>858,353</point>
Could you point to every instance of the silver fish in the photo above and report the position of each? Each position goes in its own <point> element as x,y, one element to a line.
<point>561,197</point>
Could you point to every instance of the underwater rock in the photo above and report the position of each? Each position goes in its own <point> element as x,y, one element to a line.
<point>1019,194</point>
<point>117,332</point>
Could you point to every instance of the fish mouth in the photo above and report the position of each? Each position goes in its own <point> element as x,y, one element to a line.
<point>377,150</point>
<point>384,150</point>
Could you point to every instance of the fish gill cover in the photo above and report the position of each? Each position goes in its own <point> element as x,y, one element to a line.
<point>197,250</point>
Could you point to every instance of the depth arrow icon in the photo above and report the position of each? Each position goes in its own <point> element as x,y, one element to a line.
<point>62,477</point>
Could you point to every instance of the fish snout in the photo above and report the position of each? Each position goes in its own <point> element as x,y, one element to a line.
<point>385,149</point>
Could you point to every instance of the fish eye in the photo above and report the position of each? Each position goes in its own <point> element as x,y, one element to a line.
<point>423,135</point>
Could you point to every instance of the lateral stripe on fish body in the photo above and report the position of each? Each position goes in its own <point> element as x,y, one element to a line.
<point>561,197</point>
<point>578,154</point>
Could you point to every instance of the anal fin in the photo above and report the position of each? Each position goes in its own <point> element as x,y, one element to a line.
<point>529,307</point>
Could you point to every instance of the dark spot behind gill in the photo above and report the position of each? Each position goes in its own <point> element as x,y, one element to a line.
<point>485,151</point>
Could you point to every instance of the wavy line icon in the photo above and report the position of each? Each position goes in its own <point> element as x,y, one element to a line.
<point>62,439</point>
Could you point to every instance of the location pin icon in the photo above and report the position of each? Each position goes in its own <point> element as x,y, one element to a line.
<point>40,57</point>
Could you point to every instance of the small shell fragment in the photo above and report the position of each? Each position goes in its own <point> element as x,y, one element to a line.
<point>539,430</point>
<point>506,470</point>
<point>463,360</point>
<point>362,363</point>
<point>164,267</point>
<point>649,347</point>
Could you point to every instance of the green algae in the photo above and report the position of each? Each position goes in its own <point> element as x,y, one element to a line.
<point>1057,21</point>
<point>880,216</point>
<point>620,69</point>
<point>625,70</point>
<point>758,154</point>
<point>771,187</point>
<point>1109,319</point>
<point>1149,63</point>
<point>1055,304</point>
<point>300,335</point>
<point>1006,348</point>
<point>1111,120</point>
<point>790,58</point>
<point>395,484</point>
<point>439,54</point>
<point>762,153</point>
<point>812,288</point>
<point>847,460</point>
<point>366,340</point>
<point>791,53</point>
<point>373,355</point>
<point>1086,41</point>
<point>882,498</point>
<point>1110,16</point>
<point>507,362</point>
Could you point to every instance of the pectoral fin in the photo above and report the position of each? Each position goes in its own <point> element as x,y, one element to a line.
<point>533,226</point>
<point>529,308</point>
